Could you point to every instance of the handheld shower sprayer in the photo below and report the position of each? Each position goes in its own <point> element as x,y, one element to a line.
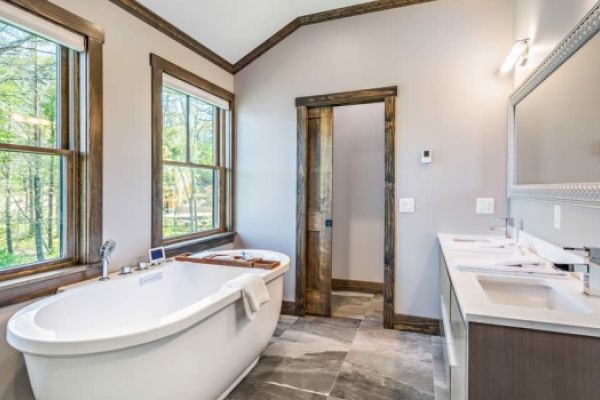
<point>106,250</point>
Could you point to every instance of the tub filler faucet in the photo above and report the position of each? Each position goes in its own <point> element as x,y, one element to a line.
<point>106,251</point>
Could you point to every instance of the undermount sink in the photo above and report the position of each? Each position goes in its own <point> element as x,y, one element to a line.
<point>529,293</point>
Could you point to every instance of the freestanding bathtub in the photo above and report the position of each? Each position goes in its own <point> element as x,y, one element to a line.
<point>172,332</point>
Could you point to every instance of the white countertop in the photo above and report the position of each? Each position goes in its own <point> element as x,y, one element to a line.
<point>477,307</point>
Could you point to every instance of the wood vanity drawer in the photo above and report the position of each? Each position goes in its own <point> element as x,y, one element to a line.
<point>523,364</point>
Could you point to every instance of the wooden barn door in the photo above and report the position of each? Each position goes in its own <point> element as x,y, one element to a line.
<point>314,198</point>
<point>319,211</point>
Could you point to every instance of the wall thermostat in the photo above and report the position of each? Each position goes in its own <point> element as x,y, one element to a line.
<point>157,255</point>
<point>426,156</point>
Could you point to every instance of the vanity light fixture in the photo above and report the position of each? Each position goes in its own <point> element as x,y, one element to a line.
<point>519,52</point>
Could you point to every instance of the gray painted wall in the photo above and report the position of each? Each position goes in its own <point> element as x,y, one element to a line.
<point>443,56</point>
<point>358,192</point>
<point>547,22</point>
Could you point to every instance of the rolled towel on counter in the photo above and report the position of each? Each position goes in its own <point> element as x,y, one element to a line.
<point>254,292</point>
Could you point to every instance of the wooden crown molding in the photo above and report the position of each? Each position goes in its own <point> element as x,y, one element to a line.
<point>310,19</point>
<point>159,23</point>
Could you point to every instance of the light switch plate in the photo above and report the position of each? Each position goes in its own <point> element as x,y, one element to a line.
<point>407,205</point>
<point>485,206</point>
<point>557,217</point>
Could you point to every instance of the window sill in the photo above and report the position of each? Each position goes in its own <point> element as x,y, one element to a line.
<point>201,244</point>
<point>19,290</point>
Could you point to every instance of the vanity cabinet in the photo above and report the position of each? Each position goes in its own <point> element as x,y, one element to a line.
<point>458,369</point>
<point>454,332</point>
<point>497,362</point>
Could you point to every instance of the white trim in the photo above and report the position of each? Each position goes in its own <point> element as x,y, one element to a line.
<point>583,193</point>
<point>203,95</point>
<point>32,23</point>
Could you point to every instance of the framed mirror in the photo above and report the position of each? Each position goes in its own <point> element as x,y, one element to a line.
<point>554,122</point>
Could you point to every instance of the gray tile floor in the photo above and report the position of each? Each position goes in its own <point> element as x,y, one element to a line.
<point>346,357</point>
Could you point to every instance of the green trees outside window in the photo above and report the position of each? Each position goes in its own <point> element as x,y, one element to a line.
<point>190,165</point>
<point>31,181</point>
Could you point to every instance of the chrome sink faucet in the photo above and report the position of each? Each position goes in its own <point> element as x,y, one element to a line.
<point>106,251</point>
<point>591,278</point>
<point>509,224</point>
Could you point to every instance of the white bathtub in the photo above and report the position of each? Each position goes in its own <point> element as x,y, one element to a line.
<point>168,333</point>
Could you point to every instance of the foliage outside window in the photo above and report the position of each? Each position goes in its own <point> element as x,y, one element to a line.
<point>34,155</point>
<point>192,160</point>
<point>190,174</point>
<point>193,171</point>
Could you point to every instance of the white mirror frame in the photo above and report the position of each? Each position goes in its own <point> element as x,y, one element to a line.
<point>570,192</point>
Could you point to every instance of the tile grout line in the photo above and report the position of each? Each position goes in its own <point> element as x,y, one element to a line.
<point>295,388</point>
<point>430,356</point>
<point>348,352</point>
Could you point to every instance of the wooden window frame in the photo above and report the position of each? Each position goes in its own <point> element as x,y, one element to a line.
<point>84,154</point>
<point>224,163</point>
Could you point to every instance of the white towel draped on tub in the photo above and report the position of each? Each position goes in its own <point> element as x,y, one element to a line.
<point>254,292</point>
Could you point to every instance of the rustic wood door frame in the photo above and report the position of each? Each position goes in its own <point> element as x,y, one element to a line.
<point>387,95</point>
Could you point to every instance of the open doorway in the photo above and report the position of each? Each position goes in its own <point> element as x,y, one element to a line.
<point>358,211</point>
<point>315,222</point>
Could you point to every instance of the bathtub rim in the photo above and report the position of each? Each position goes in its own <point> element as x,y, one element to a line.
<point>64,348</point>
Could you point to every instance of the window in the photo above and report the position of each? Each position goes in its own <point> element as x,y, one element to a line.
<point>35,155</point>
<point>192,146</point>
<point>49,154</point>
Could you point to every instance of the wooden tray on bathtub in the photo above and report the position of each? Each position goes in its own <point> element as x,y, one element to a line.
<point>232,261</point>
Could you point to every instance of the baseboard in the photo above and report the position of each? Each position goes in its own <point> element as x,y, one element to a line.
<point>357,286</point>
<point>410,323</point>
<point>288,307</point>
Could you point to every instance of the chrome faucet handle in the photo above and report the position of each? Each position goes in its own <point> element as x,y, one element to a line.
<point>508,223</point>
<point>592,253</point>
<point>592,258</point>
<point>142,266</point>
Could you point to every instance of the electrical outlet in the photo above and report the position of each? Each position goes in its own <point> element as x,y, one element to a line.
<point>557,217</point>
<point>485,206</point>
<point>407,205</point>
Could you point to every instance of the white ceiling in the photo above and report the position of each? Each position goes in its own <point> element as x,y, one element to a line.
<point>232,28</point>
